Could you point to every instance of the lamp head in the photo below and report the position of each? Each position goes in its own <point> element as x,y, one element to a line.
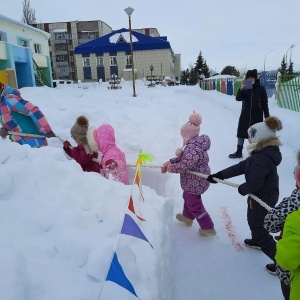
<point>129,10</point>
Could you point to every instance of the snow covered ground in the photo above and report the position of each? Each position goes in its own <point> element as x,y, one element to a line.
<point>61,227</point>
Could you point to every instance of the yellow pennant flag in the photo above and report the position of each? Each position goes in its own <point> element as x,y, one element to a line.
<point>142,158</point>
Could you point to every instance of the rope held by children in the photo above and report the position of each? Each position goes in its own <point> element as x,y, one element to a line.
<point>31,135</point>
<point>259,201</point>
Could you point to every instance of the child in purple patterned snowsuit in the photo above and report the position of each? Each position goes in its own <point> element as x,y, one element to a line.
<point>193,157</point>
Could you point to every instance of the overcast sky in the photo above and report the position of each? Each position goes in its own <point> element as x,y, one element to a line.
<point>231,32</point>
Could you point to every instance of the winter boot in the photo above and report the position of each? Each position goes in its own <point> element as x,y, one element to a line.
<point>207,232</point>
<point>238,153</point>
<point>271,268</point>
<point>185,220</point>
<point>251,244</point>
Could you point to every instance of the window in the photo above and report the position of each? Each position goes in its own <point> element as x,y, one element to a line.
<point>63,69</point>
<point>37,48</point>
<point>99,61</point>
<point>61,47</point>
<point>128,60</point>
<point>113,61</point>
<point>86,61</point>
<point>60,35</point>
<point>23,42</point>
<point>3,36</point>
<point>121,39</point>
<point>61,58</point>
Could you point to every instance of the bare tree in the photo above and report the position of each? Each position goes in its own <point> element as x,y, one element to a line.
<point>28,13</point>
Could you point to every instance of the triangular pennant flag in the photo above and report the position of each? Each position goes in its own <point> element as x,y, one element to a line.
<point>146,157</point>
<point>137,180</point>
<point>117,275</point>
<point>131,228</point>
<point>131,208</point>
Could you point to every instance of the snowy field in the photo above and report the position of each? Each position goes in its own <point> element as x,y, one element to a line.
<point>61,227</point>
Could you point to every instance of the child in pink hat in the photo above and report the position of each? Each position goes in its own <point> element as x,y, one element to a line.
<point>193,157</point>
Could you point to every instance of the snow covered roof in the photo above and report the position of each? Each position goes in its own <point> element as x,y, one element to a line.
<point>221,76</point>
<point>24,25</point>
<point>108,43</point>
<point>114,38</point>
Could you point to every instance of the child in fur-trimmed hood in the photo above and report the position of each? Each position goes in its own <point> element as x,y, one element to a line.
<point>82,153</point>
<point>261,179</point>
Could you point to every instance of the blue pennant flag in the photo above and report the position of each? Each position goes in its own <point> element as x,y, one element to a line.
<point>131,228</point>
<point>117,275</point>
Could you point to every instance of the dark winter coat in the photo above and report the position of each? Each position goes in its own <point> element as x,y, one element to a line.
<point>85,160</point>
<point>254,108</point>
<point>260,170</point>
<point>194,158</point>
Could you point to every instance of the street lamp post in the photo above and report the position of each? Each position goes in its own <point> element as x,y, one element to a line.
<point>151,70</point>
<point>265,59</point>
<point>290,48</point>
<point>129,10</point>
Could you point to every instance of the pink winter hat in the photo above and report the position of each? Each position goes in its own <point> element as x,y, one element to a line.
<point>191,129</point>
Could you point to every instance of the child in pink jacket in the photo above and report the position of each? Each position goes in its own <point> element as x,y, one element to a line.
<point>113,160</point>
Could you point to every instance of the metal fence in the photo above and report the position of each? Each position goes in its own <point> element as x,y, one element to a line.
<point>286,88</point>
<point>288,92</point>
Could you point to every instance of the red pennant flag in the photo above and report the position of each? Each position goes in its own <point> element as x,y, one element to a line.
<point>137,180</point>
<point>131,208</point>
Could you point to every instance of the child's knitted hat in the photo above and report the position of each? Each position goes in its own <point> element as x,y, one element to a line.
<point>264,130</point>
<point>79,129</point>
<point>191,128</point>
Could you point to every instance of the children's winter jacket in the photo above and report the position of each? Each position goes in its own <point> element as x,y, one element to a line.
<point>288,252</point>
<point>104,137</point>
<point>19,115</point>
<point>85,160</point>
<point>194,158</point>
<point>274,222</point>
<point>260,171</point>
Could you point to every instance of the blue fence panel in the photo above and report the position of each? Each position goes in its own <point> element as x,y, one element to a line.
<point>229,87</point>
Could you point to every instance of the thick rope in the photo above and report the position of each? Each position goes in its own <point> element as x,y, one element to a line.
<point>259,201</point>
<point>26,134</point>
<point>263,204</point>
<point>32,135</point>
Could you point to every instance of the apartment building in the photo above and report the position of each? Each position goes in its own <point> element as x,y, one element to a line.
<point>65,36</point>
<point>24,54</point>
<point>110,55</point>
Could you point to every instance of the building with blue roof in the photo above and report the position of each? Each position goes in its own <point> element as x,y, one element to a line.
<point>110,54</point>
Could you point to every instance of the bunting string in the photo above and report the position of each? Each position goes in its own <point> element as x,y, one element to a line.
<point>115,271</point>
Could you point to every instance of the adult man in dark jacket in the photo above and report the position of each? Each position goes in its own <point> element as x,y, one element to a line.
<point>254,108</point>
